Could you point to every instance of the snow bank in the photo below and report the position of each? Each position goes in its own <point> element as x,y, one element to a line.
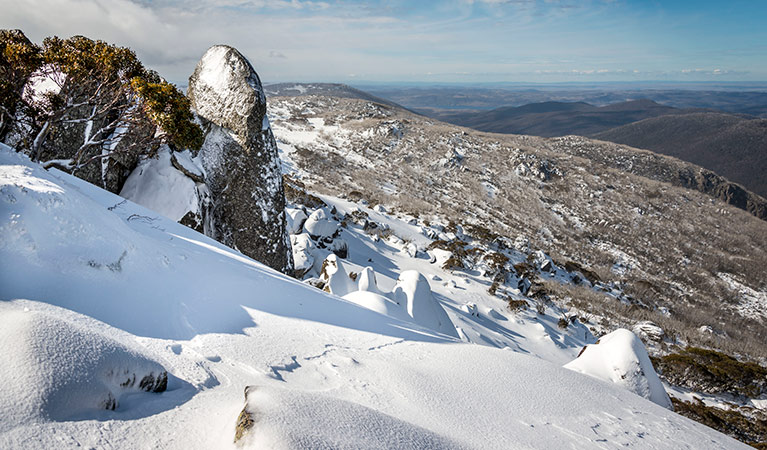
<point>136,289</point>
<point>620,357</point>
<point>157,185</point>
<point>55,368</point>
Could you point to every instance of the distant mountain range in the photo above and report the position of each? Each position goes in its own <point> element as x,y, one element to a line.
<point>550,119</point>
<point>732,146</point>
<point>427,100</point>
<point>328,89</point>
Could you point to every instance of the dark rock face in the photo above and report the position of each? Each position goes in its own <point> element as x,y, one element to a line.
<point>240,159</point>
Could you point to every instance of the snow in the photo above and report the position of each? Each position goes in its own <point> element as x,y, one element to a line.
<point>620,357</point>
<point>319,224</point>
<point>64,369</point>
<point>413,290</point>
<point>752,303</point>
<point>111,284</point>
<point>216,71</point>
<point>157,185</point>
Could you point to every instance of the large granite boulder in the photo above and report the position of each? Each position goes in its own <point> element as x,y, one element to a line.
<point>240,159</point>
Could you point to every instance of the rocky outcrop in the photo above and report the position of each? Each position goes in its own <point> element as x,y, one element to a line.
<point>240,159</point>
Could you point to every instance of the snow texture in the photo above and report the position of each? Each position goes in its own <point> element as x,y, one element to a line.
<point>110,284</point>
<point>157,185</point>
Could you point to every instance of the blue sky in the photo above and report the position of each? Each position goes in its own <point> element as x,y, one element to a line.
<point>427,41</point>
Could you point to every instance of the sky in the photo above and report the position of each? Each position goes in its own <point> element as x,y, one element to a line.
<point>466,41</point>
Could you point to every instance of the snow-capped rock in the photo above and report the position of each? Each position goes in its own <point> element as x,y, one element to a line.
<point>413,291</point>
<point>336,277</point>
<point>648,331</point>
<point>240,158</point>
<point>366,281</point>
<point>303,258</point>
<point>319,225</point>
<point>621,358</point>
<point>296,218</point>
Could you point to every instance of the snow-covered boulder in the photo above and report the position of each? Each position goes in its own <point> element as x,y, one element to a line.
<point>303,258</point>
<point>240,158</point>
<point>65,369</point>
<point>336,277</point>
<point>296,218</point>
<point>413,292</point>
<point>621,358</point>
<point>319,225</point>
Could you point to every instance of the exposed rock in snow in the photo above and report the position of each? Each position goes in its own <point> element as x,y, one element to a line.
<point>65,370</point>
<point>620,357</point>
<point>648,331</point>
<point>240,158</point>
<point>413,290</point>
<point>340,247</point>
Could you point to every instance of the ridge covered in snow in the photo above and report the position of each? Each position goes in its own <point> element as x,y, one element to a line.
<point>100,298</point>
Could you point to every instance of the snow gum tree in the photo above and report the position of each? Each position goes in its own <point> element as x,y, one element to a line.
<point>100,90</point>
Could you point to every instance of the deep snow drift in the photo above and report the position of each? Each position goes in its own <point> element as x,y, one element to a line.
<point>113,288</point>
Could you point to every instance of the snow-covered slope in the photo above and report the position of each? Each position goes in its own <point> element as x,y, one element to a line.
<point>92,285</point>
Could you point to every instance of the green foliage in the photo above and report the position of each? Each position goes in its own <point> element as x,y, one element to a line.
<point>167,107</point>
<point>18,59</point>
<point>103,84</point>
<point>713,372</point>
<point>84,60</point>
<point>751,430</point>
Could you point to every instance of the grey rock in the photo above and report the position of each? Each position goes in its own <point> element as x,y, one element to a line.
<point>240,159</point>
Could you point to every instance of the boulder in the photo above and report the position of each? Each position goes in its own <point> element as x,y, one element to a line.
<point>621,358</point>
<point>239,158</point>
<point>414,293</point>
<point>303,257</point>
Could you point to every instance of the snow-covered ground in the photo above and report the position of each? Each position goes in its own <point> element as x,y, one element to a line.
<point>98,293</point>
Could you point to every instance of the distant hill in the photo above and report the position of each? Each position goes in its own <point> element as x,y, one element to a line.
<point>550,119</point>
<point>327,89</point>
<point>435,99</point>
<point>732,146</point>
